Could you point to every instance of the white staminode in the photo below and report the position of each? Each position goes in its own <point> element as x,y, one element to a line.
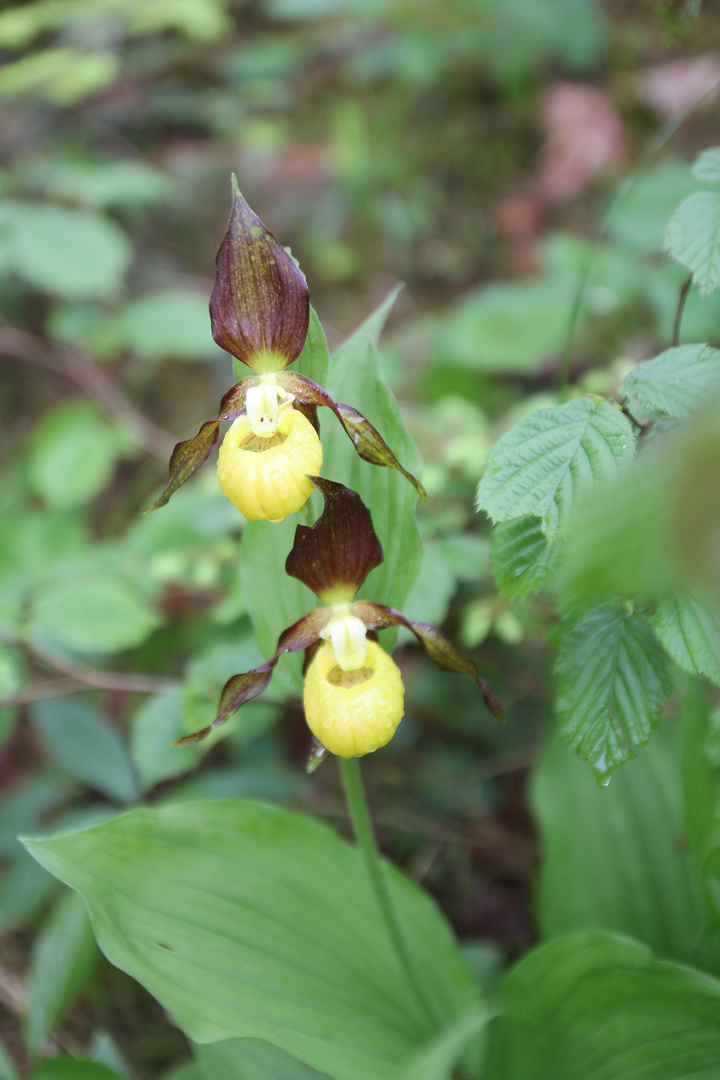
<point>348,636</point>
<point>261,405</point>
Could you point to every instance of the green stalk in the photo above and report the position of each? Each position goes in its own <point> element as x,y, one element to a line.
<point>360,816</point>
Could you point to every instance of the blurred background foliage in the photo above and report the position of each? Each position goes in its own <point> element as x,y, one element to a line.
<point>473,149</point>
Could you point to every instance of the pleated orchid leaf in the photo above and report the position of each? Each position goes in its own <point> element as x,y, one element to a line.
<point>368,442</point>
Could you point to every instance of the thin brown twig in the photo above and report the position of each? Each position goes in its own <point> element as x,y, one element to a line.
<point>77,678</point>
<point>684,290</point>
<point>76,365</point>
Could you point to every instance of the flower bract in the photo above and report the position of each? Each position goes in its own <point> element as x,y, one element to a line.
<point>353,694</point>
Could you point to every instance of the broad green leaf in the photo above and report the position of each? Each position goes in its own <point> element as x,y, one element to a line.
<point>24,809</point>
<point>121,183</point>
<point>156,725</point>
<point>706,167</point>
<point>600,1005</point>
<point>63,958</point>
<point>693,238</point>
<point>611,856</point>
<point>356,379</point>
<point>93,616</point>
<point>247,1059</point>
<point>86,747</point>
<point>612,679</point>
<point>676,383</point>
<point>274,600</point>
<point>688,625</point>
<point>73,1069</point>
<point>314,360</point>
<point>508,327</point>
<point>541,466</point>
<point>173,324</point>
<point>74,254</point>
<point>73,454</point>
<point>189,1071</point>
<point>13,673</point>
<point>522,557</point>
<point>245,920</point>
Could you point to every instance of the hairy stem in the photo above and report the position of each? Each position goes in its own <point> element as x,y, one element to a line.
<point>360,816</point>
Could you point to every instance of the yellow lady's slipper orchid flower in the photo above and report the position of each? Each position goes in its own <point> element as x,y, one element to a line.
<point>260,313</point>
<point>266,478</point>
<point>353,693</point>
<point>353,712</point>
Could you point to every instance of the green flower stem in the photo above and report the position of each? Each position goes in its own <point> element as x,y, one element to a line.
<point>360,816</point>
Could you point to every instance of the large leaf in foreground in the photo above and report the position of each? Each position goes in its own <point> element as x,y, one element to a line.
<point>522,557</point>
<point>688,625</point>
<point>247,921</point>
<point>612,680</point>
<point>596,1006</point>
<point>541,465</point>
<point>612,860</point>
<point>676,383</point>
<point>247,1059</point>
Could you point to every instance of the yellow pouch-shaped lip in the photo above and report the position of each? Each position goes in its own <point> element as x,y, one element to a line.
<point>353,712</point>
<point>267,479</point>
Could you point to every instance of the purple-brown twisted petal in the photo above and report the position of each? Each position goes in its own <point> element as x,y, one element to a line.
<point>250,684</point>
<point>189,456</point>
<point>365,438</point>
<point>260,305</point>
<point>338,552</point>
<point>436,645</point>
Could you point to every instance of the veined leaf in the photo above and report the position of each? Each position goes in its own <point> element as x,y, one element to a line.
<point>693,238</point>
<point>612,860</point>
<point>245,920</point>
<point>247,1059</point>
<point>522,557</point>
<point>541,465</point>
<point>612,680</point>
<point>676,383</point>
<point>688,625</point>
<point>355,379</point>
<point>599,1005</point>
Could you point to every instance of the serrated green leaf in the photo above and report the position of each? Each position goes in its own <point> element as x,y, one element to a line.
<point>522,557</point>
<point>247,1059</point>
<point>103,615</point>
<point>688,625</point>
<point>356,379</point>
<point>245,920</point>
<point>612,679</point>
<point>693,238</point>
<point>86,747</point>
<point>63,958</point>
<point>643,208</point>
<point>599,1005</point>
<point>676,383</point>
<point>541,466</point>
<point>611,858</point>
<point>706,167</point>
